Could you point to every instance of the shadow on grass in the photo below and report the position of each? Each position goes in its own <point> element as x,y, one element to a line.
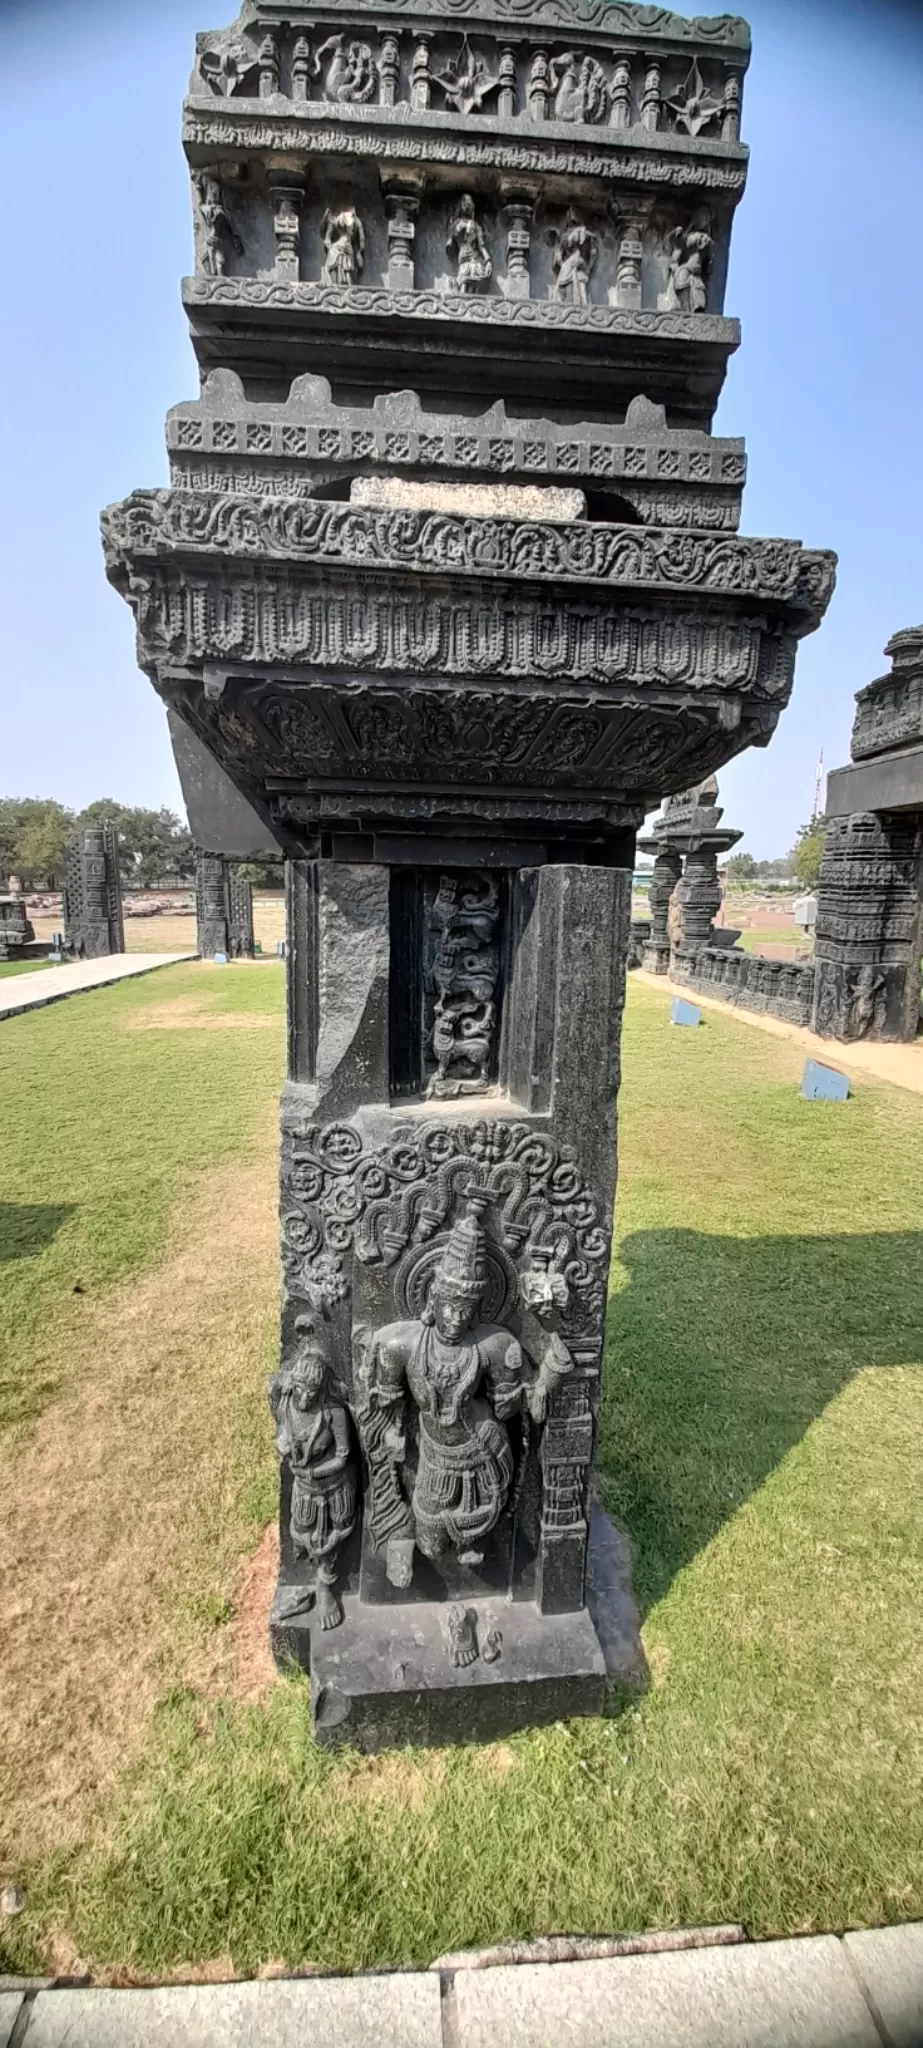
<point>27,1227</point>
<point>720,1353</point>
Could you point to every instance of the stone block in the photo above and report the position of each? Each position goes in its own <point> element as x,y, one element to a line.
<point>780,1994</point>
<point>889,1964</point>
<point>823,1084</point>
<point>10,2002</point>
<point>399,2011</point>
<point>509,501</point>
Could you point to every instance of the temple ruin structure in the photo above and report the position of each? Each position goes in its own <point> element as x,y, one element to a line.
<point>445,594</point>
<point>224,908</point>
<point>92,894</point>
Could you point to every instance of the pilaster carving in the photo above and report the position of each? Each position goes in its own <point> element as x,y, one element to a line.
<point>518,205</point>
<point>402,198</point>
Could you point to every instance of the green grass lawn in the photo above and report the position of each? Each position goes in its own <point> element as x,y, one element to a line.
<point>767,935</point>
<point>761,1441</point>
<point>20,967</point>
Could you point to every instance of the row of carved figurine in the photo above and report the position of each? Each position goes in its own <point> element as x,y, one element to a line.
<point>575,249</point>
<point>572,86</point>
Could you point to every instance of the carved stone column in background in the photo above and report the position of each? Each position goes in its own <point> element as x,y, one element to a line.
<point>92,895</point>
<point>667,870</point>
<point>224,908</point>
<point>869,931</point>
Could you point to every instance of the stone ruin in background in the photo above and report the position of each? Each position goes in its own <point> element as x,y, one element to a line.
<point>224,908</point>
<point>445,594</point>
<point>864,979</point>
<point>91,899</point>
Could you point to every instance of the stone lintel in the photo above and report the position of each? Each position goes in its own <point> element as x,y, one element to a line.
<point>889,782</point>
<point>507,501</point>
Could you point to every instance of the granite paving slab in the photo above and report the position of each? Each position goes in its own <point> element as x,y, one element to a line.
<point>10,2002</point>
<point>51,984</point>
<point>399,2011</point>
<point>889,1963</point>
<point>781,1994</point>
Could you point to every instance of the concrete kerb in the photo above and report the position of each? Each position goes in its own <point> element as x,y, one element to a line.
<point>705,1987</point>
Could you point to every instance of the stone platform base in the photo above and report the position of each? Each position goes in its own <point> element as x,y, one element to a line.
<point>386,1677</point>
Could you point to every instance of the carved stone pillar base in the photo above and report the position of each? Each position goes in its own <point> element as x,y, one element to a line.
<point>447,1176</point>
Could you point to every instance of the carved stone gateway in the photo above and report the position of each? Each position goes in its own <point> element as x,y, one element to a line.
<point>224,908</point>
<point>481,248</point>
<point>92,895</point>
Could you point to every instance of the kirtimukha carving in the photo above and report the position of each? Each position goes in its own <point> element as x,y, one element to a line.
<point>352,75</point>
<point>698,107</point>
<point>218,231</point>
<point>689,255</point>
<point>344,242</point>
<point>573,262</point>
<point>450,712</point>
<point>467,80</point>
<point>465,241</point>
<point>313,1438</point>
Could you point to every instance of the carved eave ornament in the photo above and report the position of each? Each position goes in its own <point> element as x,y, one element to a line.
<point>608,21</point>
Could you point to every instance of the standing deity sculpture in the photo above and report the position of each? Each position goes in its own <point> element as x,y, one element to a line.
<point>689,256</point>
<point>465,241</point>
<point>573,262</point>
<point>579,87</point>
<point>313,1435</point>
<point>344,241</point>
<point>218,230</point>
<point>466,1380</point>
<point>352,73</point>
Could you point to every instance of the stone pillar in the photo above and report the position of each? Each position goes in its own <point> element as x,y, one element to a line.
<point>420,75</point>
<point>389,68</point>
<point>402,204</point>
<point>92,895</point>
<point>518,203</point>
<point>224,908</point>
<point>301,68</point>
<point>439,1145</point>
<point>650,96</point>
<point>287,197</point>
<point>668,868</point>
<point>869,930</point>
<point>628,286</point>
<point>620,92</point>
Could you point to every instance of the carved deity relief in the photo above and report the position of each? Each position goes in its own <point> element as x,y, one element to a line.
<point>579,87</point>
<point>690,252</point>
<point>465,241</point>
<point>344,242</point>
<point>573,262</point>
<point>461,1379</point>
<point>697,107</point>
<point>218,230</point>
<point>463,932</point>
<point>466,81</point>
<point>352,73</point>
<point>313,1435</point>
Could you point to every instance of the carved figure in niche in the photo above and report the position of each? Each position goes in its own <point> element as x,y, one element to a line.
<point>464,922</point>
<point>218,230</point>
<point>466,80</point>
<point>313,1434</point>
<point>463,1639</point>
<point>867,1005</point>
<point>465,241</point>
<point>573,262</point>
<point>352,73</point>
<point>698,106</point>
<point>579,87</point>
<point>344,241</point>
<point>689,254</point>
<point>466,1379</point>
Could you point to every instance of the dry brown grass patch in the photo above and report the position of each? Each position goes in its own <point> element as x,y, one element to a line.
<point>392,1781</point>
<point>122,1501</point>
<point>190,1013</point>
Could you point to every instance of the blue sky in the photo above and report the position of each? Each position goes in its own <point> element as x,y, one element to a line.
<point>826,277</point>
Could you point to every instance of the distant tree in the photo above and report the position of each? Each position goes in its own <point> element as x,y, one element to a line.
<point>807,851</point>
<point>741,868</point>
<point>34,831</point>
<point>264,874</point>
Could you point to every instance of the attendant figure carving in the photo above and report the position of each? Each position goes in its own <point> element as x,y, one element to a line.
<point>218,230</point>
<point>465,241</point>
<point>352,73</point>
<point>689,255</point>
<point>573,263</point>
<point>579,87</point>
<point>466,1379</point>
<point>313,1434</point>
<point>344,241</point>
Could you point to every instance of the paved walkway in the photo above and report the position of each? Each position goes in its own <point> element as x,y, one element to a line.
<point>865,1991</point>
<point>902,1064</point>
<point>20,992</point>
